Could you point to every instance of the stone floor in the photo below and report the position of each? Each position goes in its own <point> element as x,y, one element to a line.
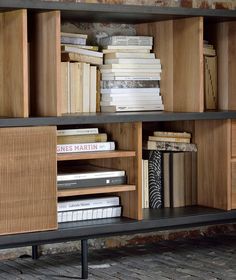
<point>204,258</point>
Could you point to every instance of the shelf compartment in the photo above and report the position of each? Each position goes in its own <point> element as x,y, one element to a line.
<point>95,155</point>
<point>96,190</point>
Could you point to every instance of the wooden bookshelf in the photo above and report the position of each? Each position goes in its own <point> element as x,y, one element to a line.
<point>96,190</point>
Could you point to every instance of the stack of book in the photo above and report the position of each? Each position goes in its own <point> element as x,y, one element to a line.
<point>78,73</point>
<point>130,75</point>
<point>210,76</point>
<point>169,170</point>
<point>82,140</point>
<point>89,209</point>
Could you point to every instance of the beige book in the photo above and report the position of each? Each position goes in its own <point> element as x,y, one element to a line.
<point>92,48</point>
<point>98,91</point>
<point>76,57</point>
<point>93,89</point>
<point>188,178</point>
<point>172,134</point>
<point>76,105</point>
<point>74,35</point>
<point>169,139</point>
<point>86,138</point>
<point>209,52</point>
<point>129,55</point>
<point>178,180</point>
<point>210,82</point>
<point>65,87</point>
<point>85,86</point>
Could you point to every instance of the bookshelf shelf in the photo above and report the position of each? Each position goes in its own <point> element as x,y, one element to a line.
<point>96,190</point>
<point>95,155</point>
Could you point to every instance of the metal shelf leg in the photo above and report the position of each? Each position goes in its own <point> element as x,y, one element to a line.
<point>84,258</point>
<point>35,253</point>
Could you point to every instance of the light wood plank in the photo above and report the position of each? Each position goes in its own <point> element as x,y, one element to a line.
<point>96,190</point>
<point>214,171</point>
<point>28,198</point>
<point>233,171</point>
<point>13,64</point>
<point>95,155</point>
<point>45,64</point>
<point>233,138</point>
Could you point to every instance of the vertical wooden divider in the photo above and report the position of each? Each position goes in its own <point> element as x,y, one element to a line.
<point>45,64</point>
<point>179,45</point>
<point>13,64</point>
<point>128,136</point>
<point>213,139</point>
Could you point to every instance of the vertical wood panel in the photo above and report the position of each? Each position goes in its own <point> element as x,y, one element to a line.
<point>233,170</point>
<point>45,64</point>
<point>13,64</point>
<point>28,200</point>
<point>188,65</point>
<point>214,170</point>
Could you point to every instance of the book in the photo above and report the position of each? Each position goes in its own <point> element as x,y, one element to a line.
<point>122,98</point>
<point>77,57</point>
<point>172,134</point>
<point>82,51</point>
<point>85,83</point>
<point>93,89</point>
<point>166,179</point>
<point>131,77</point>
<point>209,52</point>
<point>125,61</point>
<point>85,138</point>
<point>74,35</point>
<point>130,90</point>
<point>144,107</point>
<point>131,66</point>
<point>76,88</point>
<point>178,184</point>
<point>79,131</point>
<point>132,102</point>
<point>131,71</point>
<point>91,182</point>
<point>85,147</point>
<point>146,185</point>
<point>126,41</point>
<point>73,40</point>
<point>129,84</point>
<point>87,203</point>
<point>91,48</point>
<point>126,49</point>
<point>87,172</point>
<point>129,55</point>
<point>171,146</point>
<point>210,82</point>
<point>89,214</point>
<point>169,139</point>
<point>65,87</point>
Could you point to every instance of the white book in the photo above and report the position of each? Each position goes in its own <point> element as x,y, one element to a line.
<point>143,199</point>
<point>78,204</point>
<point>126,50</point>
<point>130,90</point>
<point>89,175</point>
<point>131,77</point>
<point>126,41</point>
<point>129,108</point>
<point>85,147</point>
<point>85,87</point>
<point>129,48</point>
<point>146,184</point>
<point>80,131</point>
<point>74,35</point>
<point>126,61</point>
<point>130,98</point>
<point>131,72</point>
<point>132,95</point>
<point>93,89</point>
<point>124,68</point>
<point>129,55</point>
<point>82,51</point>
<point>152,102</point>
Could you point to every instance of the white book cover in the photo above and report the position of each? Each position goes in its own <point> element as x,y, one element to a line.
<point>89,175</point>
<point>128,48</point>
<point>85,147</point>
<point>143,193</point>
<point>126,61</point>
<point>124,68</point>
<point>130,90</point>
<point>93,89</point>
<point>80,131</point>
<point>111,109</point>
<point>85,87</point>
<point>126,41</point>
<point>82,51</point>
<point>129,55</point>
<point>79,204</point>
<point>131,78</point>
<point>131,103</point>
<point>74,35</point>
<point>146,184</point>
<point>132,72</point>
<point>128,98</point>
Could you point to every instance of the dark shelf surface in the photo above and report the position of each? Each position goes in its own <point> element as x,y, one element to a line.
<point>117,13</point>
<point>154,219</point>
<point>96,118</point>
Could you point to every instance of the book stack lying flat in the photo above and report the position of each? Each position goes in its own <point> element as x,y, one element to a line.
<point>169,170</point>
<point>130,75</point>
<point>82,140</point>
<point>89,176</point>
<point>89,209</point>
<point>78,74</point>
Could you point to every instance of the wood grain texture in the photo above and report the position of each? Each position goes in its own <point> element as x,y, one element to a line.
<point>96,190</point>
<point>233,138</point>
<point>226,45</point>
<point>128,136</point>
<point>28,198</point>
<point>95,155</point>
<point>233,174</point>
<point>188,93</point>
<point>45,64</point>
<point>13,64</point>
<point>214,171</point>
<point>162,33</point>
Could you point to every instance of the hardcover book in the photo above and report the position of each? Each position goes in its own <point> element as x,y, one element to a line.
<point>85,147</point>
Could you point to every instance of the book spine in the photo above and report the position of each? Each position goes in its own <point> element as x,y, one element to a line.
<point>171,146</point>
<point>172,134</point>
<point>102,137</point>
<point>88,203</point>
<point>108,181</point>
<point>65,132</point>
<point>130,78</point>
<point>131,90</point>
<point>127,41</point>
<point>73,40</point>
<point>85,147</point>
<point>129,84</point>
<point>169,139</point>
<point>89,214</point>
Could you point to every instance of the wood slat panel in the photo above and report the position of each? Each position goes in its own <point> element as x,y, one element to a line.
<point>226,45</point>
<point>214,172</point>
<point>95,155</point>
<point>45,64</point>
<point>233,176</point>
<point>28,198</point>
<point>233,138</point>
<point>13,64</point>
<point>188,94</point>
<point>96,190</point>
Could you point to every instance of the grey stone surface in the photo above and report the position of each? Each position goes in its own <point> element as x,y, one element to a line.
<point>206,258</point>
